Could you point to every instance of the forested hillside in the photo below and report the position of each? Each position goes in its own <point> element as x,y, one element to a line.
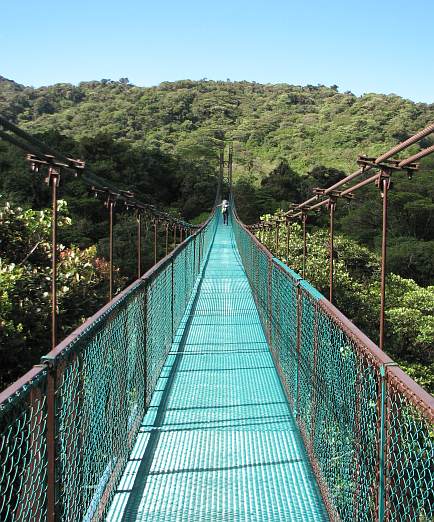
<point>306,126</point>
<point>163,143</point>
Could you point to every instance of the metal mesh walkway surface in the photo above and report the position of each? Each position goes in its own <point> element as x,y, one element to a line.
<point>219,441</point>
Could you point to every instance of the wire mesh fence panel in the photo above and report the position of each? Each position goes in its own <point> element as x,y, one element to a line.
<point>345,439</point>
<point>367,427</point>
<point>179,288</point>
<point>284,329</point>
<point>257,266</point>
<point>23,452</point>
<point>104,375</point>
<point>99,399</point>
<point>409,453</point>
<point>159,329</point>
<point>307,360</point>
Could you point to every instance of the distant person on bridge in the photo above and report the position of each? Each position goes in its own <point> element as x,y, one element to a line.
<point>225,210</point>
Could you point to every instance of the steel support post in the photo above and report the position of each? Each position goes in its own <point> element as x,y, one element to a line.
<point>304,219</point>
<point>53,181</point>
<point>172,301</point>
<point>194,255</point>
<point>139,244</point>
<point>297,369</point>
<point>200,251</point>
<point>174,236</point>
<point>145,345</point>
<point>270,306</point>
<point>110,205</point>
<point>288,232</point>
<point>332,207</point>
<point>276,239</point>
<point>222,166</point>
<point>382,447</point>
<point>155,241</point>
<point>51,445</point>
<point>384,183</point>
<point>314,381</point>
<point>167,238</point>
<point>230,159</point>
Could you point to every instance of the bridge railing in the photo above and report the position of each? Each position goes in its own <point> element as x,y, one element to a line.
<point>68,426</point>
<point>367,427</point>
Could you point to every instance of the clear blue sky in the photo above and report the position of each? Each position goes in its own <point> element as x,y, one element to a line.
<point>363,46</point>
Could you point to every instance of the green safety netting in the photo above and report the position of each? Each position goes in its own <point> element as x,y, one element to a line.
<point>368,428</point>
<point>104,376</point>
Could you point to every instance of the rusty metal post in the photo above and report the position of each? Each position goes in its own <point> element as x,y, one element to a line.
<point>332,207</point>
<point>270,301</point>
<point>200,251</point>
<point>167,238</point>
<point>145,345</point>
<point>384,184</point>
<point>230,159</point>
<point>314,378</point>
<point>304,219</point>
<point>222,166</point>
<point>51,445</point>
<point>53,181</point>
<point>194,256</point>
<point>288,231</point>
<point>155,241</point>
<point>172,301</point>
<point>174,236</point>
<point>110,204</point>
<point>299,337</point>
<point>276,239</point>
<point>139,244</point>
<point>181,231</point>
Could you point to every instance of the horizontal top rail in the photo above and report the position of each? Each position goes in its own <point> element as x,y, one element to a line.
<point>22,384</point>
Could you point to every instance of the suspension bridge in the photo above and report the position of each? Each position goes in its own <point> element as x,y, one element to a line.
<point>220,385</point>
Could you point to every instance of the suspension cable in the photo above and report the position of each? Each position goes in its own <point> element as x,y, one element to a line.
<point>38,151</point>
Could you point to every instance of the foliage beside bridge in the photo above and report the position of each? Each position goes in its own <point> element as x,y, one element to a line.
<point>163,142</point>
<point>25,284</point>
<point>409,307</point>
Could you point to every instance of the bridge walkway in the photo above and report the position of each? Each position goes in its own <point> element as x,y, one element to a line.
<point>219,442</point>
